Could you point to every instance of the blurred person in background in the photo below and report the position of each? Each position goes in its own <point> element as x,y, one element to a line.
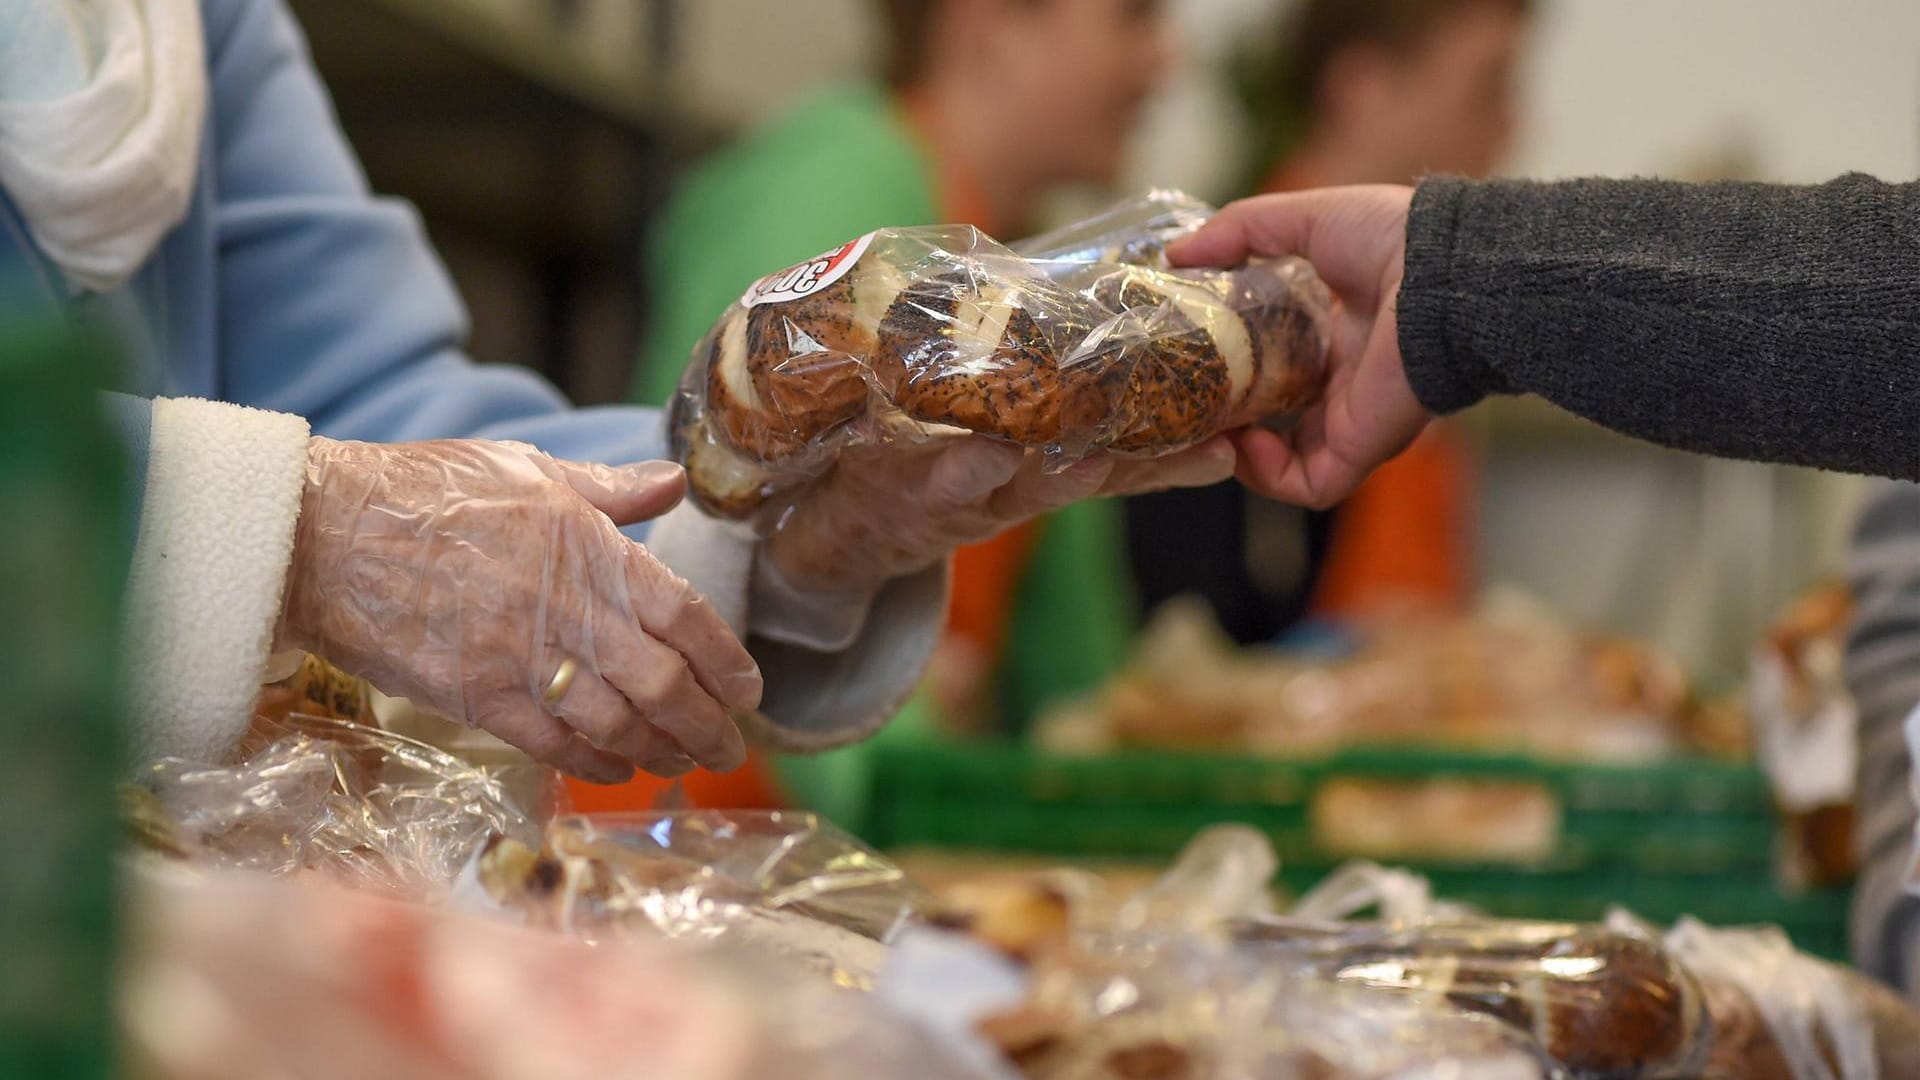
<point>323,468</point>
<point>1883,674</point>
<point>1349,92</point>
<point>985,106</point>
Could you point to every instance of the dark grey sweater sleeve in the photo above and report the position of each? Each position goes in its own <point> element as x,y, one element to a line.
<point>1760,321</point>
<point>1883,672</point>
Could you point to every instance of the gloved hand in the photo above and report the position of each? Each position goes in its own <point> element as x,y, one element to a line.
<point>886,512</point>
<point>464,575</point>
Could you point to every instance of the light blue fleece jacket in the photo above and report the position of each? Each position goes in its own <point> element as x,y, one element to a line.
<point>290,287</point>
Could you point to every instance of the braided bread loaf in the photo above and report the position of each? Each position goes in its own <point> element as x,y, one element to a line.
<point>907,333</point>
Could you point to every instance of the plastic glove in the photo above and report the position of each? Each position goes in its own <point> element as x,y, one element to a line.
<point>886,512</point>
<point>462,574</point>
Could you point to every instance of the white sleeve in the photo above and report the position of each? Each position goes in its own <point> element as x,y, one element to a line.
<point>223,491</point>
<point>833,677</point>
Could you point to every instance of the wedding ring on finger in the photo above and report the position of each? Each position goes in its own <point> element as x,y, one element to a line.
<point>562,680</point>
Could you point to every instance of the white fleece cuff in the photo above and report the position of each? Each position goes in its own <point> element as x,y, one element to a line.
<point>203,595</point>
<point>818,701</point>
<point>729,568</point>
<point>714,558</point>
<point>833,678</point>
<point>824,622</point>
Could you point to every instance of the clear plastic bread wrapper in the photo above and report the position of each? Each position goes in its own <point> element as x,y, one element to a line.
<point>1806,733</point>
<point>782,884</point>
<point>1599,1003</point>
<point>1083,340</point>
<point>1509,676</point>
<point>1394,894</point>
<point>1621,1000</point>
<point>355,803</point>
<point>1049,981</point>
<point>1196,977</point>
<point>377,810</point>
<point>239,976</point>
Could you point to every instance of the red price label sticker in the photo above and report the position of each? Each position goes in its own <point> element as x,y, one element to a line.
<point>808,277</point>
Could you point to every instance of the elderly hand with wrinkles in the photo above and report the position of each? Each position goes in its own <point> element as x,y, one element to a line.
<point>491,583</point>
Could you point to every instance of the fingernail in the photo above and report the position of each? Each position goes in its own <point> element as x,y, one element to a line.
<point>744,689</point>
<point>669,767</point>
<point>654,472</point>
<point>727,755</point>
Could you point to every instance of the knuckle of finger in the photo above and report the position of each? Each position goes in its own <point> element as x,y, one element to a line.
<point>661,680</point>
<point>545,743</point>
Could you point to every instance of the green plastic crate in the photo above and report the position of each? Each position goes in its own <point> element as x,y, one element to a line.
<point>1693,836</point>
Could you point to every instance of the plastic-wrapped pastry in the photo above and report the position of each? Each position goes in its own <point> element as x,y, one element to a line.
<point>361,805</point>
<point>1622,1004</point>
<point>1604,1004</point>
<point>786,885</point>
<point>1154,989</point>
<point>234,976</point>
<point>913,333</point>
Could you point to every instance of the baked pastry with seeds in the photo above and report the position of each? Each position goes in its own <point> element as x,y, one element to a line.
<point>915,337</point>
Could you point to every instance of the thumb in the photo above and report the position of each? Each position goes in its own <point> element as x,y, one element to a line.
<point>628,494</point>
<point>1262,225</point>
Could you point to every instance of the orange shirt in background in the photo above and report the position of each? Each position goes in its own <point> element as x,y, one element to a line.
<point>1404,535</point>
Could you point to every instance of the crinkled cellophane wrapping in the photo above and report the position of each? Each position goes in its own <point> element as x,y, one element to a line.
<point>232,975</point>
<point>1081,340</point>
<point>309,794</point>
<point>1199,973</point>
<point>1159,986</point>
<point>347,901</point>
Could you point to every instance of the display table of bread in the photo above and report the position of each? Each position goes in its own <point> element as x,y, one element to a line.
<point>1196,974</point>
<point>343,879</point>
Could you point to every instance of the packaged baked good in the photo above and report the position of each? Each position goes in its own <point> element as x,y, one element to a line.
<point>1779,1014</point>
<point>1509,677</point>
<point>1806,733</point>
<point>1601,1003</point>
<point>314,688</point>
<point>1620,1002</point>
<point>919,333</point>
<point>1065,985</point>
<point>355,803</point>
<point>786,885</point>
<point>236,976</point>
